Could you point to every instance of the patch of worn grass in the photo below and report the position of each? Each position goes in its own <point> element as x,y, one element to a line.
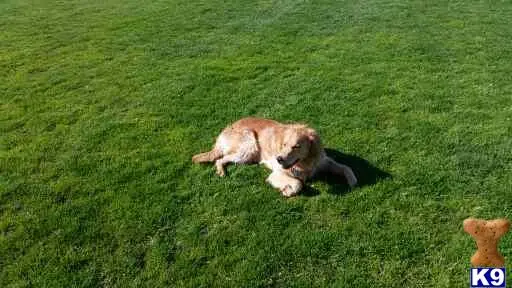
<point>103,103</point>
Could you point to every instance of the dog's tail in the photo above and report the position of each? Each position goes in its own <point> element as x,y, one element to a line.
<point>339,169</point>
<point>209,156</point>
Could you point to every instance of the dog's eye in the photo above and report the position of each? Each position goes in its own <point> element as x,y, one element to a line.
<point>297,146</point>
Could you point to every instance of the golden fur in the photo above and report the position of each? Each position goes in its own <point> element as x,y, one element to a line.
<point>293,152</point>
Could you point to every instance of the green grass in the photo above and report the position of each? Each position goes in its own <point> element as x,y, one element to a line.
<point>103,103</point>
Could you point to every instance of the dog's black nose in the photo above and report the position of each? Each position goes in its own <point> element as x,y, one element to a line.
<point>280,159</point>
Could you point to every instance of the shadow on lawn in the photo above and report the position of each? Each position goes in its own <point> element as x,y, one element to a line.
<point>366,174</point>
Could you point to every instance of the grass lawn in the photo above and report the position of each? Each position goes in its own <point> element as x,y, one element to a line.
<point>103,103</point>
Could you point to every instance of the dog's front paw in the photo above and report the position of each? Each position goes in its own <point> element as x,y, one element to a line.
<point>290,190</point>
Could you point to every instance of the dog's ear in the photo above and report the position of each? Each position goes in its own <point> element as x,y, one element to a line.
<point>315,145</point>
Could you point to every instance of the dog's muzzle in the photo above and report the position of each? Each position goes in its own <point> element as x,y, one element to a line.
<point>283,163</point>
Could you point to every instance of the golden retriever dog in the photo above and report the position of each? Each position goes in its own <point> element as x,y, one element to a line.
<point>293,152</point>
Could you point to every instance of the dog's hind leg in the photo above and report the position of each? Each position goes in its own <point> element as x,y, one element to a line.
<point>334,167</point>
<point>220,163</point>
<point>247,152</point>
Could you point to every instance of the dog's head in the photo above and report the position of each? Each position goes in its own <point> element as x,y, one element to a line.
<point>299,143</point>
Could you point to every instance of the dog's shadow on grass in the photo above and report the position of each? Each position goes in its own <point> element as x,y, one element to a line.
<point>366,174</point>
